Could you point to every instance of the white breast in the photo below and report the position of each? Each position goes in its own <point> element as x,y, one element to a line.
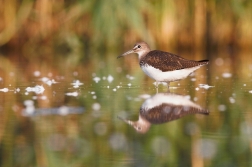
<point>171,99</point>
<point>169,76</point>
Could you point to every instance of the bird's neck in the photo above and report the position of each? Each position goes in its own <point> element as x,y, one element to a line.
<point>143,122</point>
<point>142,54</point>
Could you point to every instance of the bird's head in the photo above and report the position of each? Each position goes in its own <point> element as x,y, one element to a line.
<point>141,126</point>
<point>141,48</point>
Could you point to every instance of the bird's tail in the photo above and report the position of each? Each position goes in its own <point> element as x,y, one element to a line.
<point>203,62</point>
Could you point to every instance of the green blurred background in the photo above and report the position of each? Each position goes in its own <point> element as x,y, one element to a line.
<point>46,27</point>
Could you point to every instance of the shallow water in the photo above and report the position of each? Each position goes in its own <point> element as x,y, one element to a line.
<point>70,116</point>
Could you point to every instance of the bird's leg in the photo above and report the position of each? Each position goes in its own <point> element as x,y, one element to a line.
<point>156,89</point>
<point>156,86</point>
<point>168,85</point>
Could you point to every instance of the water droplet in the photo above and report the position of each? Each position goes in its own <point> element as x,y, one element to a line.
<point>110,78</point>
<point>219,61</point>
<point>96,106</point>
<point>226,75</point>
<point>231,100</point>
<point>222,107</point>
<point>36,73</point>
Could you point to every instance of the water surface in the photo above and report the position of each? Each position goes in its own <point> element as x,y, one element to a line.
<point>61,114</point>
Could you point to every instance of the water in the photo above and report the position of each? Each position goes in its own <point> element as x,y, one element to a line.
<point>67,115</point>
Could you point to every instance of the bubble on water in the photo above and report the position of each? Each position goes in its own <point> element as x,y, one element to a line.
<point>96,106</point>
<point>130,77</point>
<point>222,107</point>
<point>191,128</point>
<point>96,79</point>
<point>205,86</point>
<point>110,78</point>
<point>63,110</point>
<point>129,84</point>
<point>197,89</point>
<point>250,91</point>
<point>72,94</point>
<point>207,148</point>
<point>76,84</point>
<point>219,61</point>
<point>43,97</point>
<point>118,141</point>
<point>104,78</point>
<point>231,100</point>
<point>114,89</point>
<point>160,146</point>
<point>100,128</point>
<point>50,82</point>
<point>4,90</point>
<point>92,93</point>
<point>29,107</point>
<point>193,79</point>
<point>44,79</point>
<point>17,90</point>
<point>37,89</point>
<point>226,75</point>
<point>244,84</point>
<point>36,73</point>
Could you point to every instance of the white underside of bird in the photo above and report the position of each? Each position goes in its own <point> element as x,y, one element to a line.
<point>168,76</point>
<point>171,99</point>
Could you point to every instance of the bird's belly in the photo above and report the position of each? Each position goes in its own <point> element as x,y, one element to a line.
<point>168,76</point>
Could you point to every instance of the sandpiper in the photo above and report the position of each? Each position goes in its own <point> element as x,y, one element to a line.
<point>163,66</point>
<point>163,108</point>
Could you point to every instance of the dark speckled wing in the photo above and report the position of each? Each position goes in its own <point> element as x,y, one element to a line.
<point>166,61</point>
<point>167,112</point>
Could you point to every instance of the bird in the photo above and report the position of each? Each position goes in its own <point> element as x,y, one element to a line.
<point>163,66</point>
<point>162,108</point>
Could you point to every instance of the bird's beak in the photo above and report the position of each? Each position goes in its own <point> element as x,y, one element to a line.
<point>126,53</point>
<point>125,120</point>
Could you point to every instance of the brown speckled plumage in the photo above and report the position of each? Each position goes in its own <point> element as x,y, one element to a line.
<point>167,112</point>
<point>166,61</point>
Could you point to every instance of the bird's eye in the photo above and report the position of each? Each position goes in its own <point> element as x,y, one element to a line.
<point>139,128</point>
<point>139,46</point>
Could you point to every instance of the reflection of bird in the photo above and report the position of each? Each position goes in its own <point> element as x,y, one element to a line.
<point>163,66</point>
<point>164,107</point>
